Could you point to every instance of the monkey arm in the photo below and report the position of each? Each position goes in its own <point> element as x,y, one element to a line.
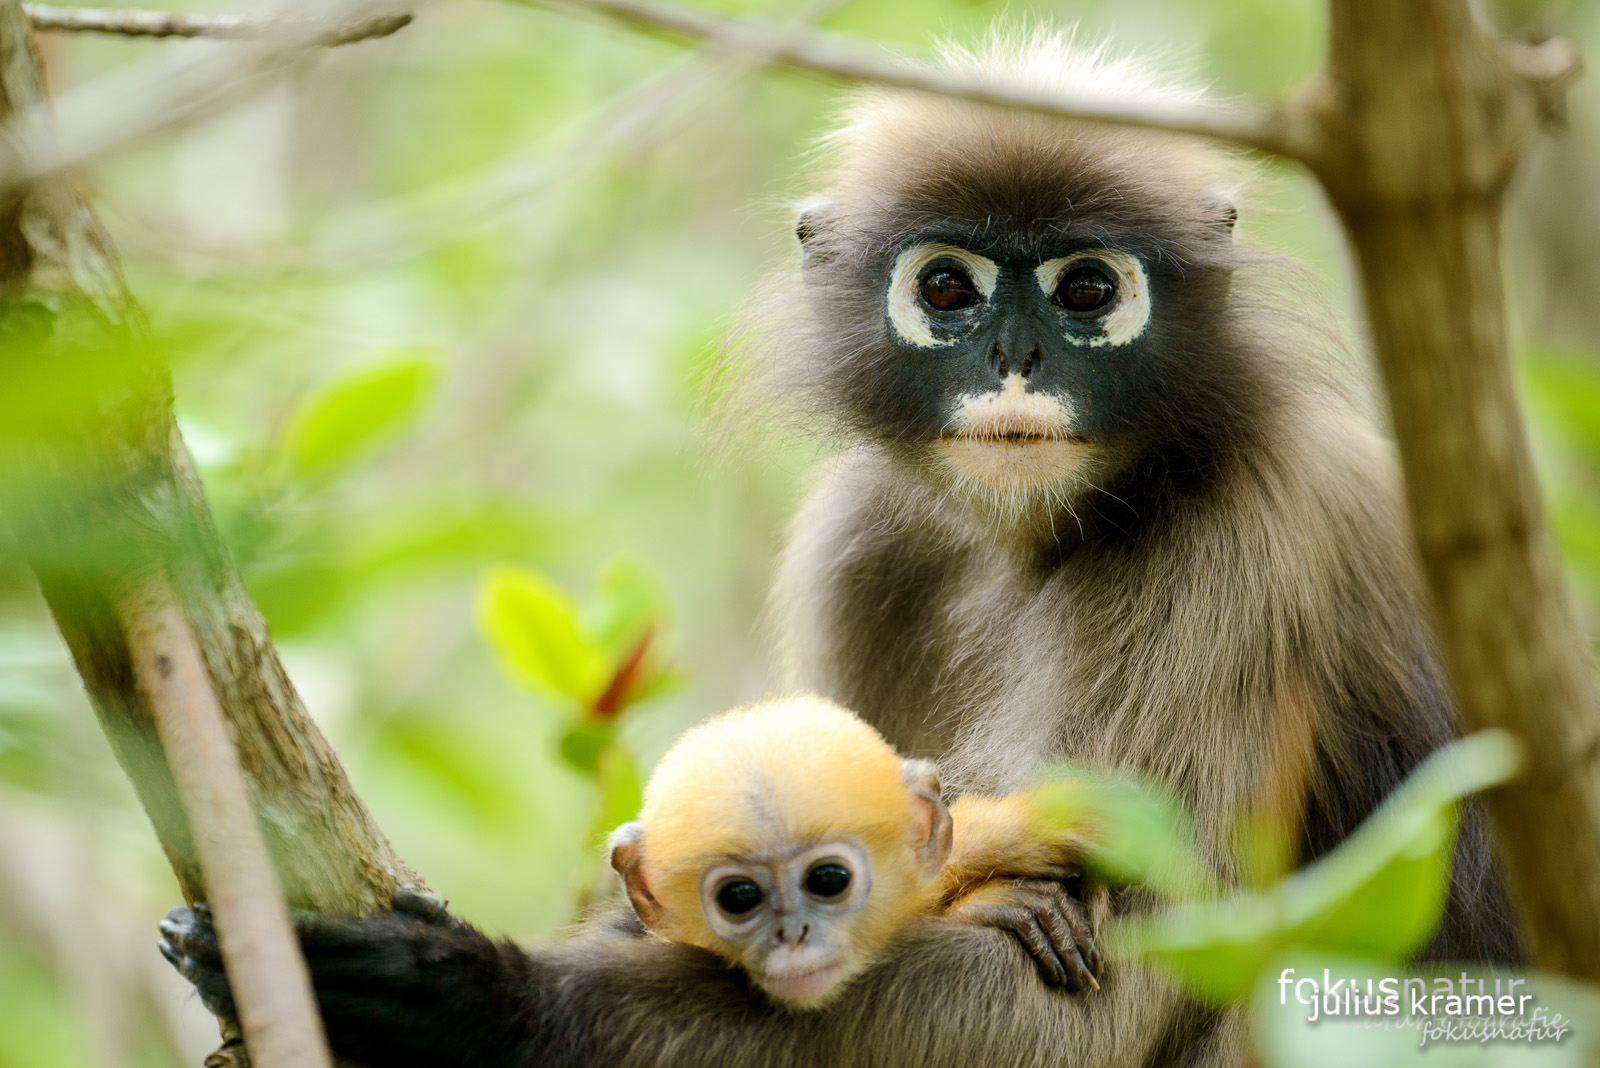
<point>1010,870</point>
<point>404,989</point>
<point>1002,837</point>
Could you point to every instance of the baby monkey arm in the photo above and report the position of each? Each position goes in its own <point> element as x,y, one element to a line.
<point>1012,870</point>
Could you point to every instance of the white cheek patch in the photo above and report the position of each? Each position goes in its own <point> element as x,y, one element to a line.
<point>906,310</point>
<point>1127,320</point>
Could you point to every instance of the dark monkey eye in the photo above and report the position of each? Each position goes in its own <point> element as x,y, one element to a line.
<point>947,289</point>
<point>1085,289</point>
<point>828,880</point>
<point>738,896</point>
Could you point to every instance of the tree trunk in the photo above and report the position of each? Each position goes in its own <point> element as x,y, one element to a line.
<point>99,493</point>
<point>1421,119</point>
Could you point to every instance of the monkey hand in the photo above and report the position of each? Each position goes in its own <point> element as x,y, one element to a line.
<point>189,941</point>
<point>1052,925</point>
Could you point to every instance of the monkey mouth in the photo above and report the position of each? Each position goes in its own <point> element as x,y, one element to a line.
<point>803,985</point>
<point>1013,437</point>
<point>1015,461</point>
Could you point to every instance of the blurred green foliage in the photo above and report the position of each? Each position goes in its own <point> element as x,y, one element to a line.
<point>333,425</point>
<point>1358,912</point>
<point>1284,1039</point>
<point>597,661</point>
<point>437,312</point>
<point>1378,896</point>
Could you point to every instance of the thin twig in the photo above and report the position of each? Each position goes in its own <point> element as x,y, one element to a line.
<point>271,987</point>
<point>807,50</point>
<point>168,92</point>
<point>137,23</point>
<point>384,232</point>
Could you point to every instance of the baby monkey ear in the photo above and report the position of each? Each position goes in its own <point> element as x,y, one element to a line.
<point>627,858</point>
<point>932,830</point>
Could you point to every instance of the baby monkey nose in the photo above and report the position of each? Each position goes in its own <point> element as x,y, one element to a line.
<point>793,932</point>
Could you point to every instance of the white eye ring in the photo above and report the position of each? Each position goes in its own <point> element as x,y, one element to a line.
<point>906,311</point>
<point>1127,320</point>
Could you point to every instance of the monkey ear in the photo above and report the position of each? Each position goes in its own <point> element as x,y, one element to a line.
<point>815,219</point>
<point>1220,207</point>
<point>933,833</point>
<point>627,858</point>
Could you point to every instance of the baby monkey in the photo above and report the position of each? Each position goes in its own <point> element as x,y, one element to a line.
<point>790,839</point>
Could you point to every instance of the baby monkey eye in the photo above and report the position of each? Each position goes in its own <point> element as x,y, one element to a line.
<point>1085,289</point>
<point>828,879</point>
<point>947,289</point>
<point>738,896</point>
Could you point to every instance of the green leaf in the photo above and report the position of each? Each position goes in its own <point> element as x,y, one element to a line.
<point>440,533</point>
<point>531,624</point>
<point>1141,832</point>
<point>625,603</point>
<point>1379,895</point>
<point>621,793</point>
<point>353,414</point>
<point>582,744</point>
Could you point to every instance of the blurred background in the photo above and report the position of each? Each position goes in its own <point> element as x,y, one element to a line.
<point>441,311</point>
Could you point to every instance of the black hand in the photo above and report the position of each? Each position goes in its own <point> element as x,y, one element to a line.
<point>190,945</point>
<point>1051,924</point>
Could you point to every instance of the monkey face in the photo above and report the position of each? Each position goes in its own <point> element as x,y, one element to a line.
<point>1035,361</point>
<point>788,919</point>
<point>1020,310</point>
<point>1014,343</point>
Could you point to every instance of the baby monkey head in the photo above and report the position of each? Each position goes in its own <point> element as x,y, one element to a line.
<point>788,838</point>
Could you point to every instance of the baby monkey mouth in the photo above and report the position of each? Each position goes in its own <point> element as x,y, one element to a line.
<point>806,984</point>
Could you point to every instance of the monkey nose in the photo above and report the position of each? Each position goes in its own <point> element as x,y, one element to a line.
<point>1007,364</point>
<point>793,932</point>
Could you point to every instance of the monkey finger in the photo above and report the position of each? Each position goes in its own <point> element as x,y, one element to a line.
<point>1022,922</point>
<point>1050,912</point>
<point>189,931</point>
<point>1075,915</point>
<point>1063,921</point>
<point>208,979</point>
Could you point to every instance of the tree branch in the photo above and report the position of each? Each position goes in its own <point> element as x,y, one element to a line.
<point>99,493</point>
<point>162,94</point>
<point>137,23</point>
<point>803,49</point>
<point>271,986</point>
